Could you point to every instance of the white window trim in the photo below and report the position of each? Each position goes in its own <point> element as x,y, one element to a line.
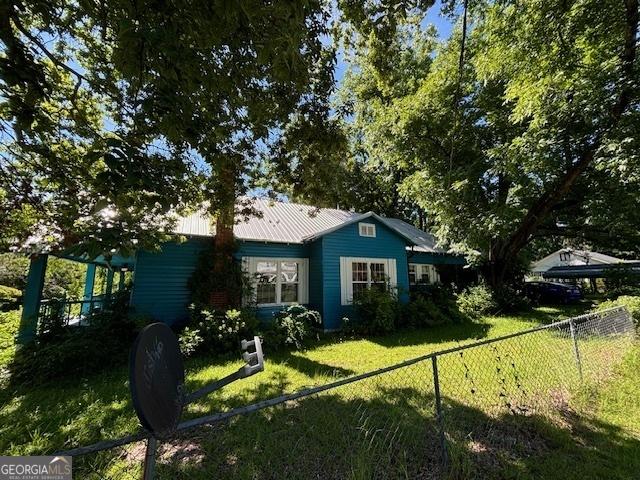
<point>250,264</point>
<point>346,285</point>
<point>362,228</point>
<point>434,276</point>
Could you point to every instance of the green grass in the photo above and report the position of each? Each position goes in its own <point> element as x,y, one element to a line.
<point>381,427</point>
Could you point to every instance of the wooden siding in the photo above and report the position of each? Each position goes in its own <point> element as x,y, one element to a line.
<point>160,287</point>
<point>347,242</point>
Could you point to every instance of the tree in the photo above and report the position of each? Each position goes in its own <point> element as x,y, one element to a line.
<point>503,142</point>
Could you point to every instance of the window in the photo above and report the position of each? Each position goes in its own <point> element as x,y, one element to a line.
<point>367,229</point>
<point>565,256</point>
<point>422,274</point>
<point>358,274</point>
<point>278,281</point>
<point>412,274</point>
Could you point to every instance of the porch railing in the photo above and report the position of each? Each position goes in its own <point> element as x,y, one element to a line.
<point>70,312</point>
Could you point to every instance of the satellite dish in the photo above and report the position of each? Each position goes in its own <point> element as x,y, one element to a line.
<point>156,379</point>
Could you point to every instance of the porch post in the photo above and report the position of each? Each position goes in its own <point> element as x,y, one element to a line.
<point>89,281</point>
<point>32,298</point>
<point>109,286</point>
<point>121,275</point>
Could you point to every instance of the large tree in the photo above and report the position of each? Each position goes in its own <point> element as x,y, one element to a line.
<point>117,114</point>
<point>523,124</point>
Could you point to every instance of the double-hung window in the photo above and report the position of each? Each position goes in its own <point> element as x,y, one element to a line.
<point>358,274</point>
<point>422,274</point>
<point>278,281</point>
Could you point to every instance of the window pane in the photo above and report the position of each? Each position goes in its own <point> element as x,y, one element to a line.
<point>359,272</point>
<point>378,273</point>
<point>357,288</point>
<point>266,275</point>
<point>266,272</point>
<point>289,293</point>
<point>412,274</point>
<point>289,272</point>
<point>266,293</point>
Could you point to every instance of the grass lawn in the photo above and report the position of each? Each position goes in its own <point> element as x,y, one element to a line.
<point>384,427</point>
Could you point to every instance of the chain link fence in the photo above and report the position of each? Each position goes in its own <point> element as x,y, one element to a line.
<point>442,413</point>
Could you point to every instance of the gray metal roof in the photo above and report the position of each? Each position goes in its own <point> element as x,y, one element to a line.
<point>295,223</point>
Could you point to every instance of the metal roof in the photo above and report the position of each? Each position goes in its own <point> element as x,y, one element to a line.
<point>295,223</point>
<point>591,271</point>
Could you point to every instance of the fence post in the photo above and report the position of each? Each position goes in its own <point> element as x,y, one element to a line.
<point>572,327</point>
<point>150,459</point>
<point>439,415</point>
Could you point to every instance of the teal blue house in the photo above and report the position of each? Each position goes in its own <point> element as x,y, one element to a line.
<point>295,253</point>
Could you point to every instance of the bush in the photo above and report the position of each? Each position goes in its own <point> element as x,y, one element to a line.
<point>102,344</point>
<point>377,311</point>
<point>293,325</point>
<point>222,331</point>
<point>631,302</point>
<point>476,301</point>
<point>9,293</point>
<point>9,298</point>
<point>189,340</point>
<point>430,307</point>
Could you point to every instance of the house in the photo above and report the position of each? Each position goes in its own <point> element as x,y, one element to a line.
<point>571,263</point>
<point>318,257</point>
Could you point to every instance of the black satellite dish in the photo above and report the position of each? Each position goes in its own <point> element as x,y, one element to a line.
<point>156,379</point>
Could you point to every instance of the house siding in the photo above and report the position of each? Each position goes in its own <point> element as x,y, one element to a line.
<point>347,242</point>
<point>160,287</point>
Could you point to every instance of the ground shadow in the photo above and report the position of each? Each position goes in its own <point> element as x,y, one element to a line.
<point>394,435</point>
<point>439,334</point>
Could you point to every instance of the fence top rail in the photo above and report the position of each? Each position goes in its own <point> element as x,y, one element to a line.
<point>208,419</point>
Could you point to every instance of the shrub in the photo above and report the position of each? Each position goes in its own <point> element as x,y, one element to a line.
<point>222,331</point>
<point>9,298</point>
<point>190,340</point>
<point>631,302</point>
<point>9,293</point>
<point>293,325</point>
<point>377,311</point>
<point>102,344</point>
<point>476,301</point>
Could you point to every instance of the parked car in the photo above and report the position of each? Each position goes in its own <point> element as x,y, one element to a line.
<point>552,292</point>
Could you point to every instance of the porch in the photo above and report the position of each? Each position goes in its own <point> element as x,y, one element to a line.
<point>103,279</point>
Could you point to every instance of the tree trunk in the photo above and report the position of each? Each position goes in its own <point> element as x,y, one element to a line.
<point>223,240</point>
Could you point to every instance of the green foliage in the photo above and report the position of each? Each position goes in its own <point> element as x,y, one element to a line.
<point>476,301</point>
<point>222,331</point>
<point>376,311</point>
<point>9,294</point>
<point>189,340</point>
<point>436,307</point>
<point>212,275</point>
<point>118,117</point>
<point>632,303</point>
<point>13,270</point>
<point>533,134</point>
<point>9,325</point>
<point>61,352</point>
<point>292,326</point>
<point>621,281</point>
